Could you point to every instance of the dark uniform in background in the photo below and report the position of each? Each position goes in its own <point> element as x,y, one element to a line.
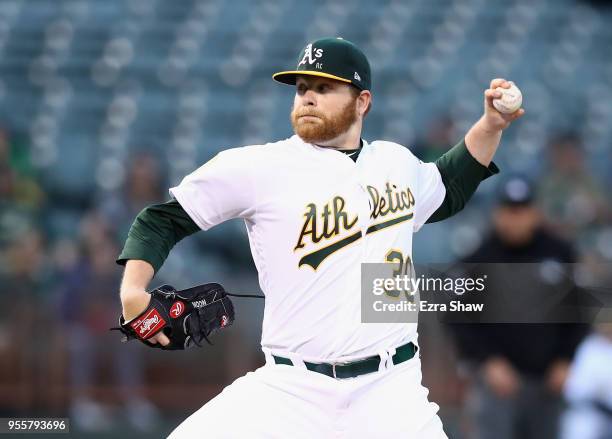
<point>518,369</point>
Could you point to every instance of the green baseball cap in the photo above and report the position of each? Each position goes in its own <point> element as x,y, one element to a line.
<point>334,58</point>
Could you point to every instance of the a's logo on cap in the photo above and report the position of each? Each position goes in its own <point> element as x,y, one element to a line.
<point>309,53</point>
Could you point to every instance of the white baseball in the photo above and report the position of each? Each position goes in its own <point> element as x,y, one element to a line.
<point>510,101</point>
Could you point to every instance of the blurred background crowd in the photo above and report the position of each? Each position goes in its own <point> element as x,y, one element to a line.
<point>106,104</point>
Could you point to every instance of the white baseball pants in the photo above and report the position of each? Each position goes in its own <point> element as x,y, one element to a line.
<point>281,401</point>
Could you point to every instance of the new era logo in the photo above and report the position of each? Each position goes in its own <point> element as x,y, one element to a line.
<point>357,77</point>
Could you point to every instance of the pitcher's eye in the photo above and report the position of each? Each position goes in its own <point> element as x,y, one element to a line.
<point>301,89</point>
<point>322,88</point>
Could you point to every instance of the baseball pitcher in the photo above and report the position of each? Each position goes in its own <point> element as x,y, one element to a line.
<point>316,206</point>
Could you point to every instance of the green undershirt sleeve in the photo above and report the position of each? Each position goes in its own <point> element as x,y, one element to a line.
<point>155,231</point>
<point>461,174</point>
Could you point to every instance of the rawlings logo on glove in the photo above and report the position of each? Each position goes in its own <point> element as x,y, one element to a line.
<point>177,309</point>
<point>147,326</point>
<point>186,317</point>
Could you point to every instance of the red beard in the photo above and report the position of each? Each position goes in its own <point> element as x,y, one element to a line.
<point>324,128</point>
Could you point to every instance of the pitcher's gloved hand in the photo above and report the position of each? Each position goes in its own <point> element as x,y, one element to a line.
<point>186,317</point>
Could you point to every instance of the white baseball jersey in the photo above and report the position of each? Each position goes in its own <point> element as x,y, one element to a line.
<point>313,216</point>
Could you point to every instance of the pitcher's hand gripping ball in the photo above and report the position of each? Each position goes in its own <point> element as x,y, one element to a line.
<point>186,317</point>
<point>510,101</point>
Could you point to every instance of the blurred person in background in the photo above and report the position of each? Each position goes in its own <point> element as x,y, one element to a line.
<point>87,309</point>
<point>25,272</point>
<point>572,199</point>
<point>518,370</point>
<point>588,388</point>
<point>21,198</point>
<point>18,184</point>
<point>144,184</point>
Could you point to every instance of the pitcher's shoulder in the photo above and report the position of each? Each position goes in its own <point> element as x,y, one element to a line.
<point>392,148</point>
<point>257,151</point>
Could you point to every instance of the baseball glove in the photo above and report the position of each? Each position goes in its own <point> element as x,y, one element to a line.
<point>186,317</point>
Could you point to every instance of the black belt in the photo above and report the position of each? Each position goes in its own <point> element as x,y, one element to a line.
<point>353,369</point>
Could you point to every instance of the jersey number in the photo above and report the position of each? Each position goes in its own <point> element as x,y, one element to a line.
<point>404,269</point>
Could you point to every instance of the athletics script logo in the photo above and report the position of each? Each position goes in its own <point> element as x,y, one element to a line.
<point>389,207</point>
